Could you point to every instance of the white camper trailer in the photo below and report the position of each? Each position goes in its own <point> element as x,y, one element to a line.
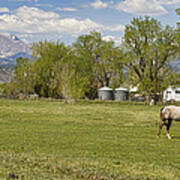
<point>171,94</point>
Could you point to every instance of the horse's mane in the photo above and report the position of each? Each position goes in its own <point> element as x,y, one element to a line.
<point>161,111</point>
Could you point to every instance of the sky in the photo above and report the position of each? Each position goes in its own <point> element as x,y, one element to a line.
<point>66,20</point>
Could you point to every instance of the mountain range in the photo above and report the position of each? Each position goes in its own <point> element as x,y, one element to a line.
<point>11,47</point>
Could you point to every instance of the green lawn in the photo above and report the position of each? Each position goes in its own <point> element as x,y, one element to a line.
<point>51,140</point>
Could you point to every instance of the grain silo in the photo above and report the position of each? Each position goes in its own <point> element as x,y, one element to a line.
<point>105,93</point>
<point>121,94</point>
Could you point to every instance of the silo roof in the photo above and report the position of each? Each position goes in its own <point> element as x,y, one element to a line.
<point>121,89</point>
<point>105,88</point>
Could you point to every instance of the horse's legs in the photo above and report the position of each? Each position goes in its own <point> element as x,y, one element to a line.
<point>168,127</point>
<point>160,127</point>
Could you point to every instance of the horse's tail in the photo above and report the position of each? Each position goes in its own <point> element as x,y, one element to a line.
<point>162,113</point>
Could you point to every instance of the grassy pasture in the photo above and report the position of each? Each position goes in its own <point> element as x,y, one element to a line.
<point>47,140</point>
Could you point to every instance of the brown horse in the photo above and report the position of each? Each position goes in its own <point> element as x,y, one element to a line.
<point>167,114</point>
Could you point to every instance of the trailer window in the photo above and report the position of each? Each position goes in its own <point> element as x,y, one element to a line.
<point>168,92</point>
<point>177,91</point>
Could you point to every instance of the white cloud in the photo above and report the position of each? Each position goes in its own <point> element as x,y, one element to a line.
<point>38,23</point>
<point>98,4</point>
<point>117,41</point>
<point>34,14</point>
<point>144,7</point>
<point>115,28</point>
<point>44,5</point>
<point>136,7</point>
<point>4,10</point>
<point>169,2</point>
<point>67,9</point>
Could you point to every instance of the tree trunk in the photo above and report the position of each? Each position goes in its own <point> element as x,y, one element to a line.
<point>155,88</point>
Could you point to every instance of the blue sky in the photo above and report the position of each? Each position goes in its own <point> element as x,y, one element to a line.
<point>65,20</point>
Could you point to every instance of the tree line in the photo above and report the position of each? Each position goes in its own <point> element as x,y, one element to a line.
<point>78,71</point>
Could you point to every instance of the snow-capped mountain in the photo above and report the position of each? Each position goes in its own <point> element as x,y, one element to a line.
<point>11,47</point>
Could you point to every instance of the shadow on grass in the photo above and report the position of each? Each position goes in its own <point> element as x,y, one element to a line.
<point>175,137</point>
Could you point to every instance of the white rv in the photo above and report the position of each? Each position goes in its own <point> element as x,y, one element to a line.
<point>171,94</point>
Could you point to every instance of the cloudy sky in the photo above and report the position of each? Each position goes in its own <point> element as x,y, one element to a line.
<point>65,20</point>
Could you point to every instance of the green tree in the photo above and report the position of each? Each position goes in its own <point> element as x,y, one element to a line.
<point>101,61</point>
<point>48,55</point>
<point>149,48</point>
<point>178,32</point>
<point>58,71</point>
<point>24,76</point>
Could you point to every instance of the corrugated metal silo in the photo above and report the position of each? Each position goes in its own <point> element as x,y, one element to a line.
<point>121,94</point>
<point>105,93</point>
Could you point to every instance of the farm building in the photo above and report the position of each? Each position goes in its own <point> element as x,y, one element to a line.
<point>171,94</point>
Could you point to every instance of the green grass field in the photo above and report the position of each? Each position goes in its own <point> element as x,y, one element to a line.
<point>46,140</point>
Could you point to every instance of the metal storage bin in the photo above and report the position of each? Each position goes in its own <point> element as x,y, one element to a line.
<point>121,94</point>
<point>105,93</point>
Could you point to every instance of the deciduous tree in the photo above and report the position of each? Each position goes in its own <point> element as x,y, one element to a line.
<point>149,48</point>
<point>101,60</point>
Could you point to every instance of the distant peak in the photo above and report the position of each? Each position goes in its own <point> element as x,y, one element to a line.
<point>13,37</point>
